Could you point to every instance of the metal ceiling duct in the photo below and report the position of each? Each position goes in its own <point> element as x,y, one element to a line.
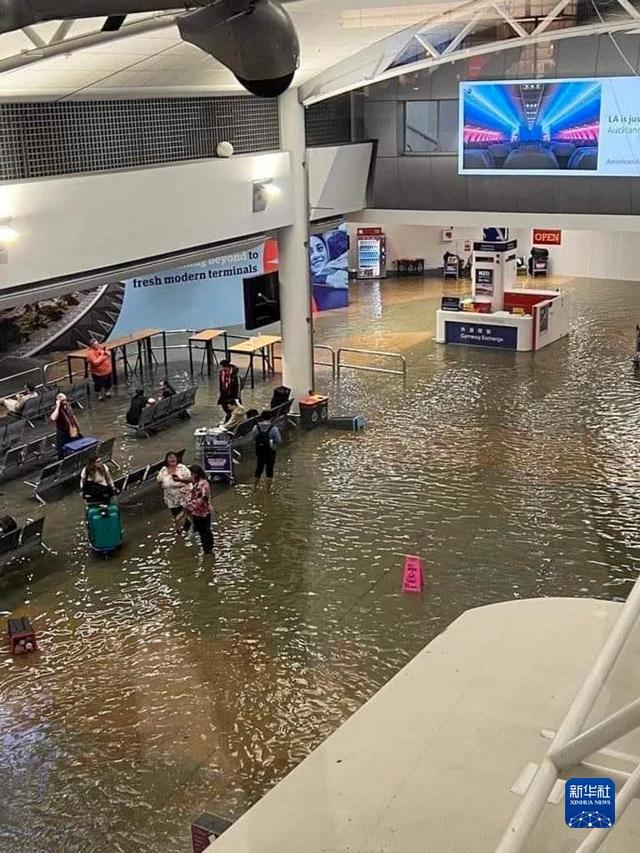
<point>255,39</point>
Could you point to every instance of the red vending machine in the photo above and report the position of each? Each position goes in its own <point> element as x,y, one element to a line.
<point>372,253</point>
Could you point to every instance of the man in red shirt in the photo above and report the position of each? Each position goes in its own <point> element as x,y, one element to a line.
<point>99,359</point>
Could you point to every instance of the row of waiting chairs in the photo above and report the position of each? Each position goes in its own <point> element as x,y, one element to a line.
<point>18,459</point>
<point>69,468</point>
<point>40,407</point>
<point>18,542</point>
<point>11,434</point>
<point>158,415</point>
<point>131,484</point>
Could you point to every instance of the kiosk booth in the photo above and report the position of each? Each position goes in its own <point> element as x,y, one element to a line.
<point>498,314</point>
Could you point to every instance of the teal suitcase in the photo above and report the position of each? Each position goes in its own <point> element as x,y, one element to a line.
<point>104,527</point>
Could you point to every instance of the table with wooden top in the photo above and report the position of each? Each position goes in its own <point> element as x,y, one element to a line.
<point>115,346</point>
<point>263,346</point>
<point>207,337</point>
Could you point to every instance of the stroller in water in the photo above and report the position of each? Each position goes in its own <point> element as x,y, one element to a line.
<point>218,456</point>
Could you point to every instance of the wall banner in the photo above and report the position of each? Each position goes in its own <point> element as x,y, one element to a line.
<point>204,295</point>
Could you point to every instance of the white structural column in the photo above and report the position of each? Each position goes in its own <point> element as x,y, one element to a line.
<point>293,253</point>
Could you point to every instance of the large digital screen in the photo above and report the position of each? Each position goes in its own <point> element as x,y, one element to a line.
<point>573,127</point>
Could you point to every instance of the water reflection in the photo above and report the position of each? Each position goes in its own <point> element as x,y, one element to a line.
<point>168,685</point>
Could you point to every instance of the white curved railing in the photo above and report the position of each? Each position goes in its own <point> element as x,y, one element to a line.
<point>573,743</point>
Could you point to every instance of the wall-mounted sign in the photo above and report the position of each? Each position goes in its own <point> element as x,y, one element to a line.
<point>481,335</point>
<point>447,235</point>
<point>547,236</point>
<point>466,246</point>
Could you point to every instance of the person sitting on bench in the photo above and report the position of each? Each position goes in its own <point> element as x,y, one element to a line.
<point>167,389</point>
<point>16,404</point>
<point>238,416</point>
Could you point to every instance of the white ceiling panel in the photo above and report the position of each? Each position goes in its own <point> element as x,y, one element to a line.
<point>159,63</point>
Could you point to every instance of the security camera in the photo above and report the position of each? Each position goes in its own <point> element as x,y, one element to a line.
<point>255,39</point>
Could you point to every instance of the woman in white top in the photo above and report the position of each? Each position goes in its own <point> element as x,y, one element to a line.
<point>96,482</point>
<point>175,480</point>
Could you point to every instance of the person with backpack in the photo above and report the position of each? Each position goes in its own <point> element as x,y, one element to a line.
<point>265,437</point>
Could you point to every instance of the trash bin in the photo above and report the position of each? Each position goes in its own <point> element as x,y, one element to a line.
<point>314,410</point>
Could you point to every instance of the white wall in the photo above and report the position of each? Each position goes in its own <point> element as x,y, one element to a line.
<point>605,247</point>
<point>85,222</point>
<point>338,176</point>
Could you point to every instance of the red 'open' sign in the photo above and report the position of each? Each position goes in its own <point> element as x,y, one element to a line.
<point>547,236</point>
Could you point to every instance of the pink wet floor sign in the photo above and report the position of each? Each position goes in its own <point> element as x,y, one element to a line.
<point>412,575</point>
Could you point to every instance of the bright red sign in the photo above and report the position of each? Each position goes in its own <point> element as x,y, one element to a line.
<point>547,236</point>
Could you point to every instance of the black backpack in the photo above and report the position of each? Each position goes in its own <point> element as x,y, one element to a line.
<point>263,438</point>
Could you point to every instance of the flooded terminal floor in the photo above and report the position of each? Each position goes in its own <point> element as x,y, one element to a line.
<point>169,684</point>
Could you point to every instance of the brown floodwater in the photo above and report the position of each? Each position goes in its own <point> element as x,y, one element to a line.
<point>170,684</point>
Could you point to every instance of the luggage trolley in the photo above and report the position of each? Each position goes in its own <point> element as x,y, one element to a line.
<point>218,456</point>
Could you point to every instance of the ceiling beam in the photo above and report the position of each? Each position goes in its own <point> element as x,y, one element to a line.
<point>550,18</point>
<point>630,9</point>
<point>426,44</point>
<point>515,26</point>
<point>321,88</point>
<point>464,32</point>
<point>62,31</point>
<point>33,37</point>
<point>28,57</point>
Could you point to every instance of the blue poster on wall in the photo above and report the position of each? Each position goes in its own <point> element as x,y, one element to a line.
<point>481,335</point>
<point>328,260</point>
<point>207,294</point>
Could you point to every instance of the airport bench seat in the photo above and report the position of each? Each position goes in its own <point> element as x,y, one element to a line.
<point>38,408</point>
<point>11,434</point>
<point>68,469</point>
<point>160,415</point>
<point>131,485</point>
<point>15,461</point>
<point>22,541</point>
